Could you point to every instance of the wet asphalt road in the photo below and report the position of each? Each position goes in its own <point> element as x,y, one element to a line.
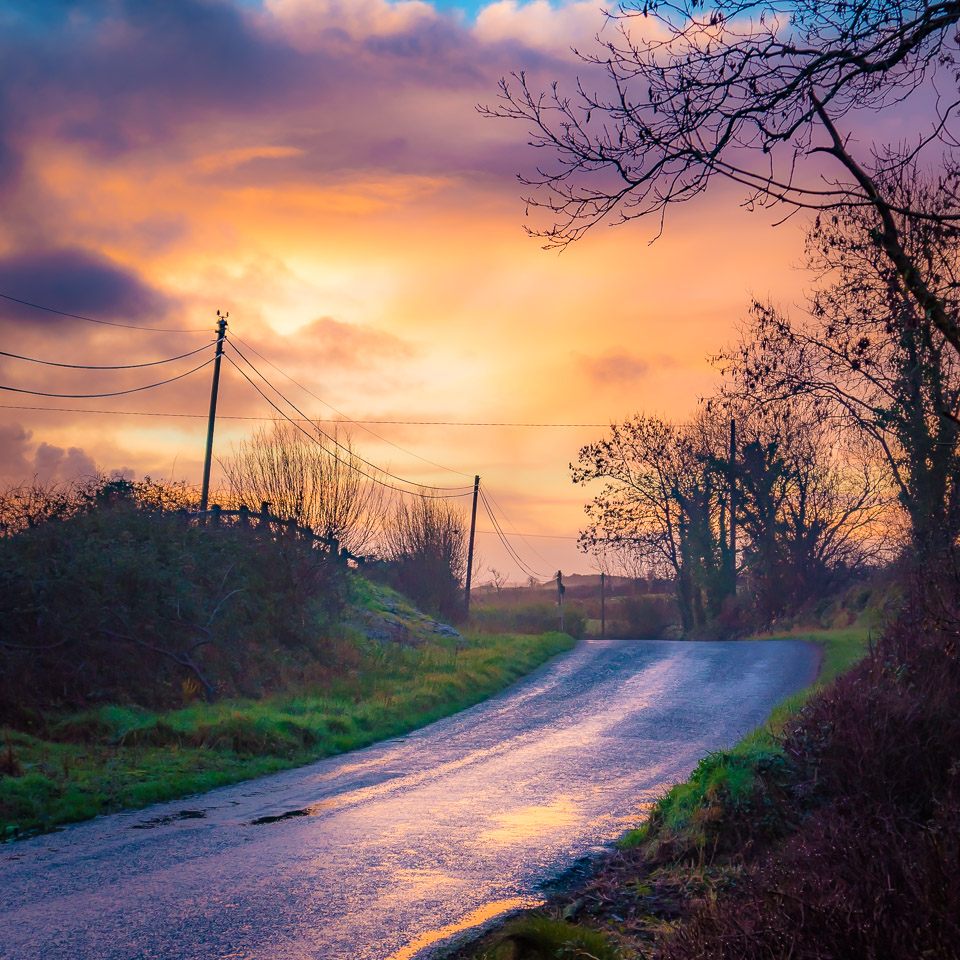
<point>387,852</point>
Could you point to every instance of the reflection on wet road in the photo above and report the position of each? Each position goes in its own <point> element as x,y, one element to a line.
<point>389,851</point>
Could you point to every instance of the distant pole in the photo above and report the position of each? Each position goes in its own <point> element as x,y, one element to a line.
<point>733,505</point>
<point>561,589</point>
<point>603,609</point>
<point>473,530</point>
<point>221,336</point>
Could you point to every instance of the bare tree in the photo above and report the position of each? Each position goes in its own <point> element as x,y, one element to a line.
<point>658,503</point>
<point>426,542</point>
<point>752,91</point>
<point>498,578</point>
<point>803,510</point>
<point>321,484</point>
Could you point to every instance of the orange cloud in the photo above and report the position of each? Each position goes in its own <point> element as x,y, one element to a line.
<point>331,185</point>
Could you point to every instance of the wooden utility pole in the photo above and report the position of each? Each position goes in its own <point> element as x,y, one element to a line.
<point>732,477</point>
<point>221,336</point>
<point>473,530</point>
<point>561,590</point>
<point>603,610</point>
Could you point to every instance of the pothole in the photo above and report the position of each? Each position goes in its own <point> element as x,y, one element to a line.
<point>173,817</point>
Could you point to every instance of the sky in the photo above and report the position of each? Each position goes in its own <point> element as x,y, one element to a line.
<point>318,169</point>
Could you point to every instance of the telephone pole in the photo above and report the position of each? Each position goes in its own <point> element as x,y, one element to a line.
<point>733,506</point>
<point>473,530</point>
<point>221,336</point>
<point>561,590</point>
<point>603,606</point>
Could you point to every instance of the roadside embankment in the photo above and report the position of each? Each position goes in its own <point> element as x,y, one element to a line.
<point>145,656</point>
<point>114,757</point>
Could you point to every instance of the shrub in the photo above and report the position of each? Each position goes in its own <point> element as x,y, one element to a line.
<point>117,598</point>
<point>650,616</point>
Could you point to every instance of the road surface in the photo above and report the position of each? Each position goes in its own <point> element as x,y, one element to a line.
<point>388,852</point>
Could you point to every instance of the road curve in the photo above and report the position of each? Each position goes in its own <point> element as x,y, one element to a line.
<point>384,853</point>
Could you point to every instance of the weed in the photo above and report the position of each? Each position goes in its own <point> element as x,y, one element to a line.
<point>870,872</point>
<point>9,767</point>
<point>537,937</point>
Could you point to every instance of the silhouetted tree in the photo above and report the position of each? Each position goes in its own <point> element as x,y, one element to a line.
<point>871,359</point>
<point>754,92</point>
<point>806,509</point>
<point>662,500</point>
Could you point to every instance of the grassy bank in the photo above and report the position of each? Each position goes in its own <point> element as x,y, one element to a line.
<point>116,757</point>
<point>693,814</point>
<point>733,798</point>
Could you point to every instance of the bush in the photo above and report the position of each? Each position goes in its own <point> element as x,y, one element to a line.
<point>650,616</point>
<point>116,598</point>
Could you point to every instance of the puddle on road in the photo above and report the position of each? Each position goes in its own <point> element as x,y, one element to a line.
<point>472,919</point>
<point>526,822</point>
<point>310,811</point>
<point>172,818</point>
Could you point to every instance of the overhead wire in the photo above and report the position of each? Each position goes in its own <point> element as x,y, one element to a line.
<point>359,423</point>
<point>354,467</point>
<point>334,440</point>
<point>511,552</point>
<point>106,323</point>
<point>546,536</point>
<point>121,366</point>
<point>409,423</point>
<point>524,567</point>
<point>503,512</point>
<point>115,393</point>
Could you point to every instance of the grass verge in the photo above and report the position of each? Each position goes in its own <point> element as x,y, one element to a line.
<point>724,786</point>
<point>120,757</point>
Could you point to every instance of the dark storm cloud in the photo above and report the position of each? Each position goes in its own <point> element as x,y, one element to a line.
<point>76,281</point>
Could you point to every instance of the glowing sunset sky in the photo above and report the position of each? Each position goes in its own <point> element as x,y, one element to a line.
<point>318,169</point>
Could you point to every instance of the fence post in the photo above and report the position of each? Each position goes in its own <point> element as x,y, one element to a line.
<point>215,513</point>
<point>265,516</point>
<point>244,515</point>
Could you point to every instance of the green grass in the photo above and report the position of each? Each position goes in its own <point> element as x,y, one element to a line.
<point>537,937</point>
<point>725,783</point>
<point>119,757</point>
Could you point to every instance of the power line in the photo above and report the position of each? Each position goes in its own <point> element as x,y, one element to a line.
<point>517,532</point>
<point>350,466</point>
<point>116,393</point>
<point>358,423</point>
<point>543,536</point>
<point>106,323</point>
<point>124,366</point>
<point>525,568</point>
<point>334,440</point>
<point>408,423</point>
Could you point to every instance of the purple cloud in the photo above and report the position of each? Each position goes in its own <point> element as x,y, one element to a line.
<point>75,281</point>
